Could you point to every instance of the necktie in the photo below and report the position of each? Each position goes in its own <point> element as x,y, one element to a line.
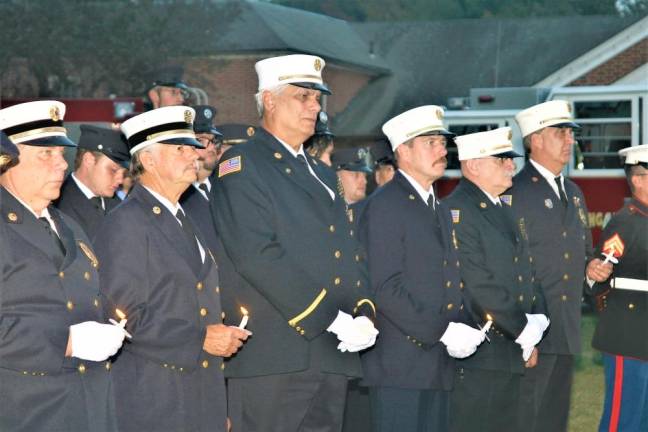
<point>302,159</point>
<point>189,231</point>
<point>561,191</point>
<point>55,238</point>
<point>431,203</point>
<point>98,202</point>
<point>203,187</point>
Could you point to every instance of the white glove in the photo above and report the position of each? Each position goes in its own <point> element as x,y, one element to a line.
<point>462,340</point>
<point>355,333</point>
<point>94,341</point>
<point>532,333</point>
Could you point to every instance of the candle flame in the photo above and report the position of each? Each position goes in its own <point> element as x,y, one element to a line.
<point>120,314</point>
<point>244,311</point>
<point>489,317</point>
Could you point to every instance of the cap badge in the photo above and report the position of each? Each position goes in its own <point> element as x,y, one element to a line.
<point>157,210</point>
<point>439,114</point>
<point>548,203</point>
<point>250,131</point>
<point>13,217</point>
<point>188,117</point>
<point>88,252</point>
<point>54,113</point>
<point>569,107</point>
<point>318,65</point>
<point>207,113</point>
<point>510,135</point>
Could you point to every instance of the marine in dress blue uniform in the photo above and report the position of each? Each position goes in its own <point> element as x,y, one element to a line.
<point>414,273</point>
<point>53,340</point>
<point>555,215</point>
<point>499,285</point>
<point>158,270</point>
<point>623,301</point>
<point>297,261</point>
<point>88,194</point>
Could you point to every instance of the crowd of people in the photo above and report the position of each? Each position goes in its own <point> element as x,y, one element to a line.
<point>184,277</point>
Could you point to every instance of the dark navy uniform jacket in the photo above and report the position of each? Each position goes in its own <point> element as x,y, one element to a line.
<point>622,325</point>
<point>414,272</point>
<point>41,295</point>
<point>498,275</point>
<point>76,205</point>
<point>296,259</point>
<point>561,245</point>
<point>163,380</point>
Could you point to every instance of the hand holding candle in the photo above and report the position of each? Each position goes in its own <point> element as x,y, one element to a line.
<point>121,323</point>
<point>244,321</point>
<point>487,327</point>
<point>609,257</point>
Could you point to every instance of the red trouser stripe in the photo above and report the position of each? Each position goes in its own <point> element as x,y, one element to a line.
<point>618,392</point>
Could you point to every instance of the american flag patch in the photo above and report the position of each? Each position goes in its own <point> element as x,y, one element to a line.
<point>229,166</point>
<point>507,199</point>
<point>455,215</point>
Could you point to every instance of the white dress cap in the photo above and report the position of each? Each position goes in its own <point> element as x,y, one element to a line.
<point>424,120</point>
<point>557,113</point>
<point>38,123</point>
<point>297,69</point>
<point>166,125</point>
<point>496,142</point>
<point>635,155</point>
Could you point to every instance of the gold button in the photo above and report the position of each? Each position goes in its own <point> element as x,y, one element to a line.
<point>337,254</point>
<point>412,197</point>
<point>357,258</point>
<point>631,306</point>
<point>298,328</point>
<point>222,366</point>
<point>108,365</point>
<point>534,298</point>
<point>448,284</point>
<point>288,170</point>
<point>482,205</point>
<point>173,367</point>
<point>532,278</point>
<point>81,368</point>
<point>86,276</point>
<point>520,278</point>
<point>450,306</point>
<point>564,297</point>
<point>205,364</point>
<point>61,275</point>
<point>337,281</point>
<point>96,302</point>
<point>165,365</point>
<point>203,312</point>
<point>530,259</point>
<point>222,315</point>
<point>25,373</point>
<point>181,369</point>
<point>445,263</point>
<point>13,217</point>
<point>565,276</point>
<point>332,228</point>
<point>70,305</point>
<point>515,259</point>
<point>217,290</point>
<point>199,286</point>
<point>461,285</point>
<point>521,298</point>
<point>564,234</point>
<point>409,338</point>
<point>566,255</point>
<point>277,155</point>
<point>156,210</point>
<point>358,284</point>
<point>351,233</point>
<point>458,264</point>
<point>302,332</point>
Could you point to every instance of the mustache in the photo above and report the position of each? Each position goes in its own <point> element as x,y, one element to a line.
<point>443,160</point>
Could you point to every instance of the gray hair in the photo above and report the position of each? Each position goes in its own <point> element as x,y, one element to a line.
<point>136,166</point>
<point>259,96</point>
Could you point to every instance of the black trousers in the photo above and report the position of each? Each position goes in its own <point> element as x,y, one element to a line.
<point>309,401</point>
<point>357,413</point>
<point>485,401</point>
<point>409,410</point>
<point>545,394</point>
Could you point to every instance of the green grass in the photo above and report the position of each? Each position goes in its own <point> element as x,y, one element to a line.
<point>588,387</point>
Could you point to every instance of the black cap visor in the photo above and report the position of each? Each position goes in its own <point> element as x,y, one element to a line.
<point>50,141</point>
<point>183,141</point>
<point>356,167</point>
<point>313,86</point>
<point>200,129</point>
<point>566,125</point>
<point>442,132</point>
<point>507,155</point>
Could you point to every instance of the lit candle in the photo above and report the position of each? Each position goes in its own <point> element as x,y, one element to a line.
<point>244,321</point>
<point>488,325</point>
<point>122,323</point>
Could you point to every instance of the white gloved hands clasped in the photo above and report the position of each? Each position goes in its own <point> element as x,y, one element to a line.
<point>94,341</point>
<point>355,334</point>
<point>532,333</point>
<point>461,340</point>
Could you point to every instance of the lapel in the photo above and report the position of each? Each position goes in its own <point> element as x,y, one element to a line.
<point>66,235</point>
<point>428,215</point>
<point>496,216</point>
<point>163,221</point>
<point>550,200</point>
<point>25,224</point>
<point>85,209</point>
<point>291,168</point>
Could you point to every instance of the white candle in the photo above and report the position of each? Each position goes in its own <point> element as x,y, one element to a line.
<point>244,321</point>
<point>487,327</point>
<point>122,321</point>
<point>609,257</point>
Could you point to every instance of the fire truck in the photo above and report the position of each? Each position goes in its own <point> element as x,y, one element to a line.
<point>612,118</point>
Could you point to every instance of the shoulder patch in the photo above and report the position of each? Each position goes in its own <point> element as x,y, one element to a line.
<point>456,214</point>
<point>614,245</point>
<point>230,166</point>
<point>507,199</point>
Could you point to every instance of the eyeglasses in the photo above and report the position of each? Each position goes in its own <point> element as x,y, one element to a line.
<point>207,141</point>
<point>499,160</point>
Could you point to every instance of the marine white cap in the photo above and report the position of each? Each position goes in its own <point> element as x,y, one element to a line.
<point>635,155</point>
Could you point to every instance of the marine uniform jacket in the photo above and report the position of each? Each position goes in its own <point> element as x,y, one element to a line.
<point>498,275</point>
<point>560,247</point>
<point>295,256</point>
<point>621,329</point>
<point>41,296</point>
<point>414,273</point>
<point>76,205</point>
<point>163,379</point>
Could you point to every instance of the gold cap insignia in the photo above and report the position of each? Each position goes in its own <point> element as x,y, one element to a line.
<point>88,252</point>
<point>569,107</point>
<point>157,210</point>
<point>54,113</point>
<point>439,114</point>
<point>318,65</point>
<point>13,217</point>
<point>250,131</point>
<point>4,160</point>
<point>510,135</point>
<point>188,117</point>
